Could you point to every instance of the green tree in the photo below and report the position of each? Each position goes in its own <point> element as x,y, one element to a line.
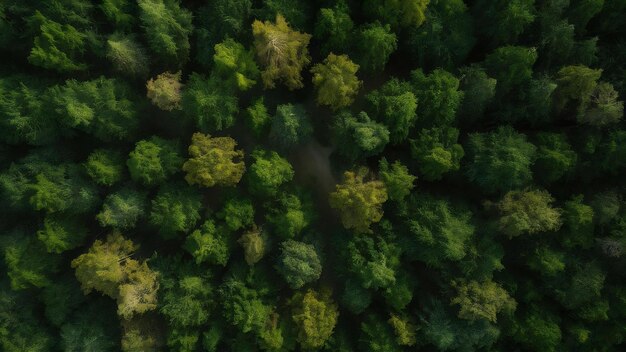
<point>298,263</point>
<point>210,103</point>
<point>315,316</point>
<point>555,157</point>
<point>62,298</point>
<point>282,52</point>
<point>546,261</point>
<point>83,333</point>
<point>122,209</point>
<point>243,306</point>
<point>154,160</point>
<point>213,161</point>
<point>27,262</point>
<point>335,81</point>
<point>444,39</point>
<point>268,172</point>
<point>358,136</point>
<point>397,179</point>
<point>437,230</point>
<point>236,64</point>
<point>105,166</point>
<point>22,116</point>
<point>377,336</point>
<point>164,91</point>
<point>62,188</point>
<point>290,126</point>
<point>289,216</point>
<point>583,287</point>
<point>359,202</point>
<point>127,56</point>
<point>374,43</point>
<point>500,160</point>
<point>56,46</point>
<point>60,234</point>
<point>578,226</point>
<point>538,329</point>
<point>438,95</point>
<point>511,66</point>
<point>118,12</point>
<point>209,244</point>
<point>175,209</point>
<point>237,213</point>
<point>576,84</point>
<point>187,295</point>
<point>218,20</point>
<point>405,13</point>
<point>394,104</point>
<point>257,118</point>
<point>373,261</point>
<point>501,21</point>
<point>437,152</point>
<point>167,28</point>
<point>296,12</point>
<point>527,212</point>
<point>334,26</point>
<point>481,300</point>
<point>103,107</point>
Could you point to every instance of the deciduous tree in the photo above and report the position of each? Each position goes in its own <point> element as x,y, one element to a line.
<point>214,161</point>
<point>359,202</point>
<point>298,263</point>
<point>290,126</point>
<point>282,51</point>
<point>437,152</point>
<point>394,104</point>
<point>482,300</point>
<point>154,160</point>
<point>164,91</point>
<point>357,136</point>
<point>527,212</point>
<point>397,179</point>
<point>500,160</point>
<point>236,64</point>
<point>175,209</point>
<point>374,43</point>
<point>336,81</point>
<point>315,316</point>
<point>209,244</point>
<point>210,103</point>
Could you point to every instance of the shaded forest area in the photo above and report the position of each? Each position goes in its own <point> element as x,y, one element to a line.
<point>312,175</point>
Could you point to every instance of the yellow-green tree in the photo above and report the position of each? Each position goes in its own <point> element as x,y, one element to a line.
<point>482,300</point>
<point>359,203</point>
<point>315,315</point>
<point>108,267</point>
<point>214,161</point>
<point>282,51</point>
<point>165,91</point>
<point>335,81</point>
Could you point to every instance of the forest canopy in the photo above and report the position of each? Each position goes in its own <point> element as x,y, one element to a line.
<point>299,175</point>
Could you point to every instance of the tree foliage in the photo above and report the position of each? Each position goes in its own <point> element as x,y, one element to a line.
<point>358,201</point>
<point>214,161</point>
<point>282,51</point>
<point>336,81</point>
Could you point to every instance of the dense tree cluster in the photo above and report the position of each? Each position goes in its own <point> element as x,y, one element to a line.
<point>295,175</point>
